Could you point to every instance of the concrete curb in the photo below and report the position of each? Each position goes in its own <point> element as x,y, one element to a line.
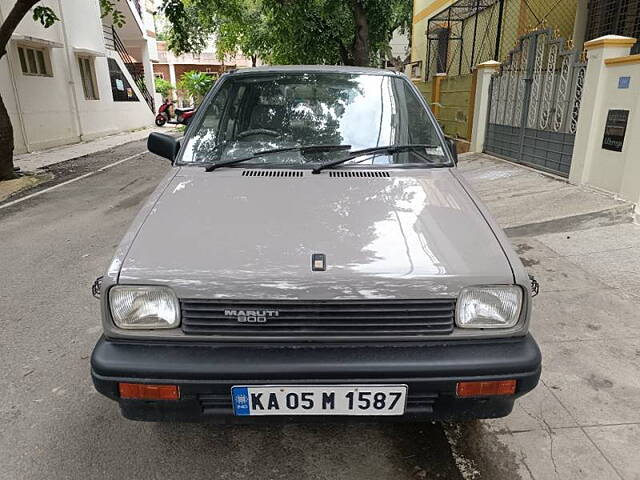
<point>31,162</point>
<point>584,221</point>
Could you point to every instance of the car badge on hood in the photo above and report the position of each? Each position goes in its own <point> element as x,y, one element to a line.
<point>318,262</point>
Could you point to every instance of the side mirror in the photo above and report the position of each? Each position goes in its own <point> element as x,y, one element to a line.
<point>163,145</point>
<point>452,148</point>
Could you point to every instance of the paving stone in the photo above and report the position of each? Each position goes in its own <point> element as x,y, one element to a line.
<point>597,381</point>
<point>560,274</point>
<point>621,445</point>
<point>595,240</point>
<point>617,268</point>
<point>565,454</point>
<point>584,314</point>
<point>537,410</point>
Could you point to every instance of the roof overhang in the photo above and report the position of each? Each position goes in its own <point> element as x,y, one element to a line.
<point>88,51</point>
<point>35,41</point>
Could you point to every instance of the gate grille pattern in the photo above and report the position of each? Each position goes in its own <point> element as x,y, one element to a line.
<point>535,102</point>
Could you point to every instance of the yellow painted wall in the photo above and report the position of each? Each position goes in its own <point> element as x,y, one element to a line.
<point>455,93</point>
<point>422,11</point>
<point>454,101</point>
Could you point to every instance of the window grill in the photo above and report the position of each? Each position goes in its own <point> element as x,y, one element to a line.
<point>614,17</point>
<point>481,30</point>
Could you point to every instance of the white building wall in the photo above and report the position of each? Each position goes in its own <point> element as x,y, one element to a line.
<point>51,111</point>
<point>616,172</point>
<point>39,110</point>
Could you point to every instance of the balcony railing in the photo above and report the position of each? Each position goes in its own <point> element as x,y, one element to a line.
<point>136,69</point>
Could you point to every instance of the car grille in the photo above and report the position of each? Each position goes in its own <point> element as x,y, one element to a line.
<point>335,319</point>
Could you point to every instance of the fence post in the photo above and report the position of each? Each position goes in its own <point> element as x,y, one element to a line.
<point>481,104</point>
<point>436,93</point>
<point>591,116</point>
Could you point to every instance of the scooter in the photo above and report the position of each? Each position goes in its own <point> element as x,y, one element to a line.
<point>179,116</point>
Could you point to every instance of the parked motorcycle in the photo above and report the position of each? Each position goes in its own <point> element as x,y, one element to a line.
<point>167,113</point>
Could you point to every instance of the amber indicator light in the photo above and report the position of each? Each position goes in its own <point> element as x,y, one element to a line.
<point>484,389</point>
<point>142,391</point>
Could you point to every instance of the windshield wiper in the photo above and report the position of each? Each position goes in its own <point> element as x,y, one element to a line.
<point>384,149</point>
<point>302,148</point>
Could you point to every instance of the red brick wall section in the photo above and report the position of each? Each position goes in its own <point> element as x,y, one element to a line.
<point>162,68</point>
<point>186,67</point>
<point>181,68</point>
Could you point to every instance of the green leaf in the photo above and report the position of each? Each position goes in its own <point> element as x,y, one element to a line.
<point>108,8</point>
<point>196,84</point>
<point>45,15</point>
<point>283,31</point>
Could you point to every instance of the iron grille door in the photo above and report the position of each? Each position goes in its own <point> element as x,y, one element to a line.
<point>534,103</point>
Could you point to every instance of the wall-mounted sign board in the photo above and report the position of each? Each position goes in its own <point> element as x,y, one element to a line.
<point>615,130</point>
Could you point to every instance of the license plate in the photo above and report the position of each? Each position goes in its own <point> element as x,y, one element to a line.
<point>319,400</point>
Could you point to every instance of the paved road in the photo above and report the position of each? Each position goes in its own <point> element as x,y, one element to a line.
<point>52,422</point>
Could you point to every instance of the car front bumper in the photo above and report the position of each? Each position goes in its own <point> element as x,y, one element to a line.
<point>205,374</point>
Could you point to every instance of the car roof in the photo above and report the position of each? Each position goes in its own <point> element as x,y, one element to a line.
<point>312,69</point>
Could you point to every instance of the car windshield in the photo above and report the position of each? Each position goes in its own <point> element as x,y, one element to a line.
<point>252,113</point>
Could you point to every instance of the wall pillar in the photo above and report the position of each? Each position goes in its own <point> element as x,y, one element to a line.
<point>436,93</point>
<point>149,78</point>
<point>172,79</point>
<point>481,104</point>
<point>588,139</point>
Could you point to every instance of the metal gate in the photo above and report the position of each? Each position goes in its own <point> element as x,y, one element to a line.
<point>534,103</point>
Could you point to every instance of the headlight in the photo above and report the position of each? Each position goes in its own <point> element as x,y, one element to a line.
<point>144,307</point>
<point>489,307</point>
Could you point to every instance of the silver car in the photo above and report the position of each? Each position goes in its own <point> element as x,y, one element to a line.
<point>314,252</point>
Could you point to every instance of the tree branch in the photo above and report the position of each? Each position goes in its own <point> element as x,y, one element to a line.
<point>17,13</point>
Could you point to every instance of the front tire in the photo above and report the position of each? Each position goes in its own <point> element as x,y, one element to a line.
<point>161,120</point>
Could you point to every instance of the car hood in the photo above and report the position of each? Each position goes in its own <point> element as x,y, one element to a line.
<point>233,234</point>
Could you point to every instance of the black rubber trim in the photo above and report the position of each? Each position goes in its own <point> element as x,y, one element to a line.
<point>494,358</point>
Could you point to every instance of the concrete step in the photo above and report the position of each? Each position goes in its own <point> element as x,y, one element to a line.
<point>527,202</point>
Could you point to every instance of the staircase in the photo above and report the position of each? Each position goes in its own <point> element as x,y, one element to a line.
<point>136,69</point>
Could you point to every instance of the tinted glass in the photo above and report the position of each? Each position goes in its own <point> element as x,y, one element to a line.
<point>42,69</point>
<point>258,112</point>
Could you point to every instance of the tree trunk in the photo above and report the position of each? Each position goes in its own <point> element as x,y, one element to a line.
<point>344,53</point>
<point>6,144</point>
<point>360,46</point>
<point>17,13</point>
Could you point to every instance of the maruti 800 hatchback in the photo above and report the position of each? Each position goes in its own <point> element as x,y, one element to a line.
<point>314,252</point>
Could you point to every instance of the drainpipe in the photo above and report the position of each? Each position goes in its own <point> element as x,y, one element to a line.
<point>70,63</point>
<point>14,87</point>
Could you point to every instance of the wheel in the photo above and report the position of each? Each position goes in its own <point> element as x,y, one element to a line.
<point>161,120</point>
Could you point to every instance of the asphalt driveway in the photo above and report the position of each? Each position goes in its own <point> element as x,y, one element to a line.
<point>53,423</point>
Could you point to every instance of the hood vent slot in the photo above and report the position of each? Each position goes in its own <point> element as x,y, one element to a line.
<point>272,173</point>
<point>358,174</point>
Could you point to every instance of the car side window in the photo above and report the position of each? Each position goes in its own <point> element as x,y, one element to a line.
<point>216,109</point>
<point>420,126</point>
<point>233,114</point>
